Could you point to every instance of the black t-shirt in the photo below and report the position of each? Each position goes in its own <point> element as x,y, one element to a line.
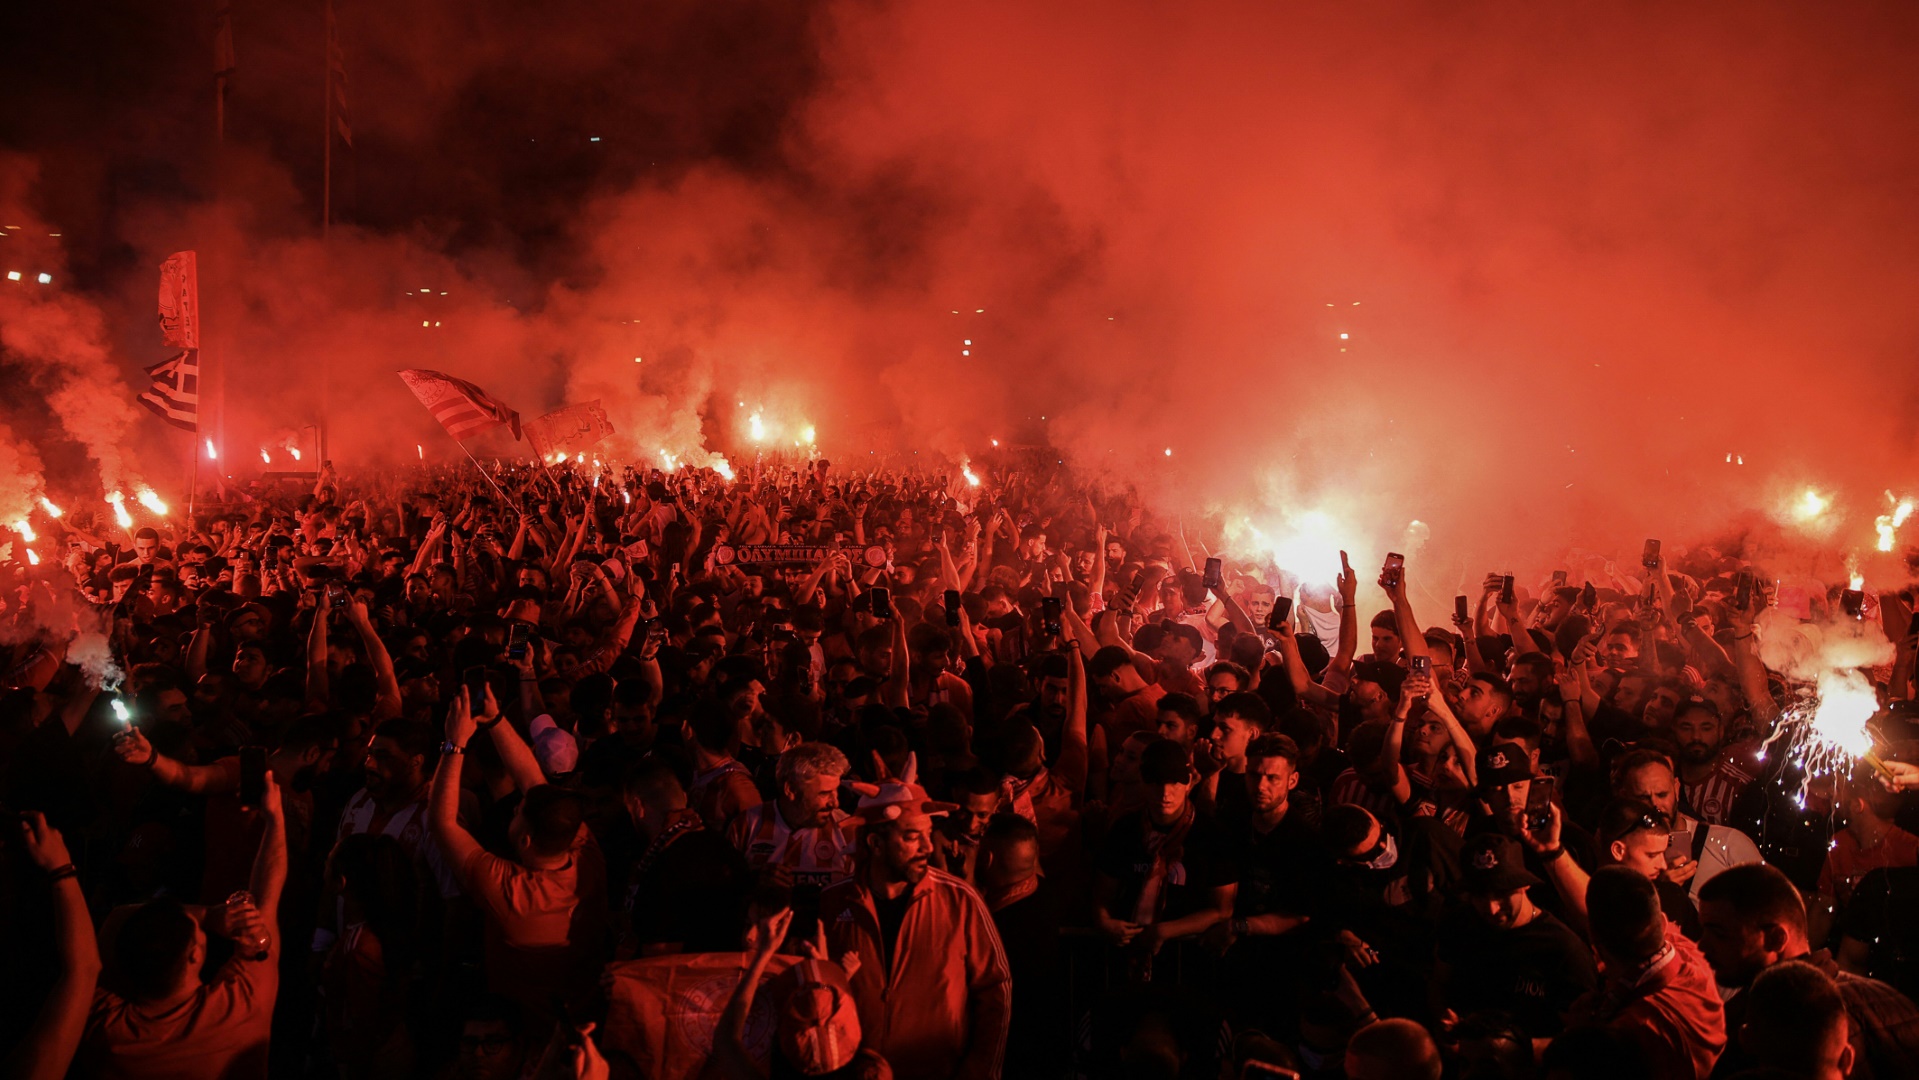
<point>1282,871</point>
<point>1884,914</point>
<point>694,891</point>
<point>1533,972</point>
<point>1203,863</point>
<point>892,915</point>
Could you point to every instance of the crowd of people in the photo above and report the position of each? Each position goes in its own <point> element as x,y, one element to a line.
<point>813,772</point>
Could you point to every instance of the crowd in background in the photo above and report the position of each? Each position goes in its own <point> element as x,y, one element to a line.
<point>833,773</point>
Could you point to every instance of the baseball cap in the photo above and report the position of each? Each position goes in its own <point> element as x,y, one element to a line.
<point>1503,763</point>
<point>899,797</point>
<point>1491,864</point>
<point>1165,761</point>
<point>819,1023</point>
<point>553,747</point>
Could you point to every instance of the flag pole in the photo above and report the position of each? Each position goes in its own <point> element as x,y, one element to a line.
<point>484,473</point>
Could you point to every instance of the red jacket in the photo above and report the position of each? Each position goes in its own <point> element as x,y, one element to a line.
<point>943,1008</point>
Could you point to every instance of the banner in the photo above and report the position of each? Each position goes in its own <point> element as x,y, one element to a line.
<point>570,429</point>
<point>793,554</point>
<point>180,301</point>
<point>661,1011</point>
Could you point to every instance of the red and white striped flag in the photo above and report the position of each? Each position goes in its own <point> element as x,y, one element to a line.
<point>461,407</point>
<point>175,396</point>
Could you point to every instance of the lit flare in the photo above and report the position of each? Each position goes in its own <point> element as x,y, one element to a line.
<point>25,530</point>
<point>52,510</point>
<point>120,515</point>
<point>152,501</point>
<point>33,559</point>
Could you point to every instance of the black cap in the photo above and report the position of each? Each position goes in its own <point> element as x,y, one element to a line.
<point>1492,865</point>
<point>1504,763</point>
<point>1165,762</point>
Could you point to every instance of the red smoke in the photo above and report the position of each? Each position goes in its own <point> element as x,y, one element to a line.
<point>1580,254</point>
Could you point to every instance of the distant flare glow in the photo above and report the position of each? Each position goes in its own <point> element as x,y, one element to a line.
<point>25,530</point>
<point>151,501</point>
<point>1169,451</point>
<point>1888,523</point>
<point>667,461</point>
<point>33,559</point>
<point>724,468</point>
<point>120,515</point>
<point>212,454</point>
<point>806,435</point>
<point>995,442</point>
<point>52,510</point>
<point>295,451</point>
<point>266,457</point>
<point>756,428</point>
<point>966,470</point>
<point>420,450</point>
<point>1811,505</point>
<point>1307,544</point>
<point>626,496</point>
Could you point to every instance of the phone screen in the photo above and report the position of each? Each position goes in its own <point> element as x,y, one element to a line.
<point>882,602</point>
<point>1539,800</point>
<point>1050,617</point>
<point>1506,595</point>
<point>475,679</point>
<point>1460,610</point>
<point>1395,563</point>
<point>253,775</point>
<point>1212,577</point>
<point>1650,556</point>
<point>1559,578</point>
<point>516,642</point>
<point>1282,612</point>
<point>1420,665</point>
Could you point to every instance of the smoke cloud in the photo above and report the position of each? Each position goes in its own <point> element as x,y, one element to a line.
<point>1534,277</point>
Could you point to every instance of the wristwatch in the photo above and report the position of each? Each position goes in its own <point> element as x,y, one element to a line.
<point>450,747</point>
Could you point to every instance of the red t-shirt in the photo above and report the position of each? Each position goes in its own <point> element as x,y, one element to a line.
<point>220,1032</point>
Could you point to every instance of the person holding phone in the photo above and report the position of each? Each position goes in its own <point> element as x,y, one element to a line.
<point>1501,951</point>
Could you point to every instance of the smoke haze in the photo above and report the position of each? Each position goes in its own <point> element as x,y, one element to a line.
<point>1527,275</point>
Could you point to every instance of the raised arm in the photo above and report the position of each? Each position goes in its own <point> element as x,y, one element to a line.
<point>49,1044</point>
<point>270,866</point>
<point>518,758</point>
<point>443,804</point>
<point>1072,762</point>
<point>317,654</point>
<point>386,701</point>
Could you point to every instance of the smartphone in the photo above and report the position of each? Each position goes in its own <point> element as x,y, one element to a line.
<point>253,775</point>
<point>1461,611</point>
<point>655,630</point>
<point>1589,597</point>
<point>1506,595</point>
<point>1051,622</point>
<point>952,605</point>
<point>337,598</point>
<point>1559,579</point>
<point>1211,577</point>
<point>517,640</point>
<point>1678,846</point>
<point>1912,628</point>
<point>1853,603</point>
<point>1742,591</point>
<point>882,600</point>
<point>475,680</point>
<point>1281,614</point>
<point>1539,801</point>
<point>1420,665</point>
<point>1649,558</point>
<point>1395,565</point>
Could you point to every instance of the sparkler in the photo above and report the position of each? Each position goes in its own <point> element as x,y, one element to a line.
<point>120,515</point>
<point>152,501</point>
<point>1826,731</point>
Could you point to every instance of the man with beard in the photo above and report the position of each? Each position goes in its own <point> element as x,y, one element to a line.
<point>1502,951</point>
<point>801,841</point>
<point>1754,919</point>
<point>392,802</point>
<point>1709,783</point>
<point>1697,851</point>
<point>933,987</point>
